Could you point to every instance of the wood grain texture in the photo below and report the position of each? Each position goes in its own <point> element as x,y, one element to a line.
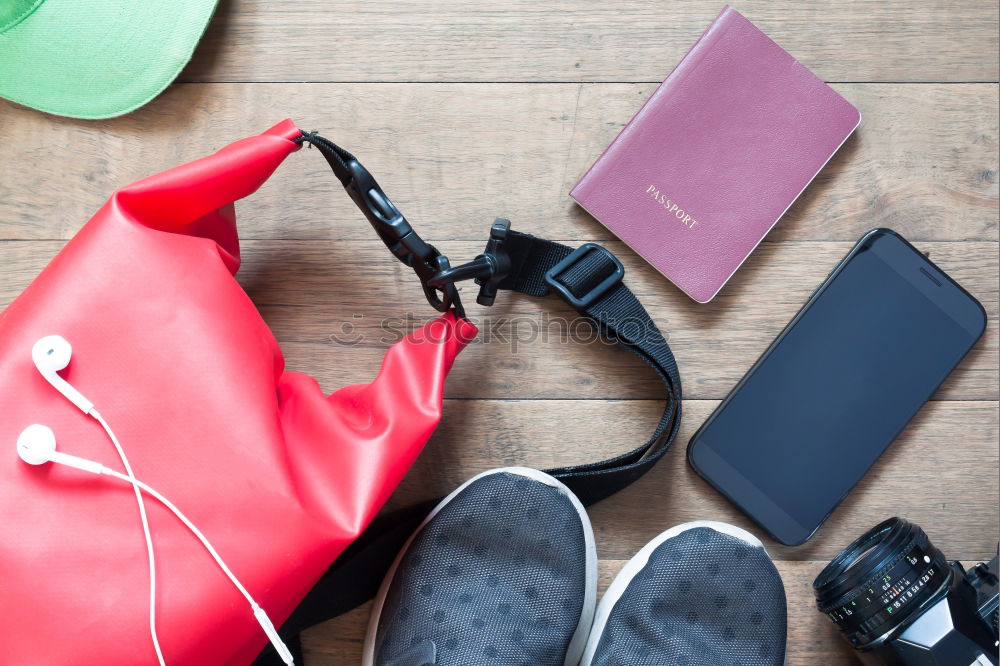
<point>453,157</point>
<point>314,294</point>
<point>627,40</point>
<point>467,111</point>
<point>948,487</point>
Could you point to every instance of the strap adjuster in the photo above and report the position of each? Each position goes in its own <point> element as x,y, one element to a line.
<point>588,299</point>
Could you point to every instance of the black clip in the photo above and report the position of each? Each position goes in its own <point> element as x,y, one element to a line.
<point>390,225</point>
<point>437,277</point>
<point>401,239</point>
<point>488,269</point>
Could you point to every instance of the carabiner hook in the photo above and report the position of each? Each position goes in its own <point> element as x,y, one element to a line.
<point>401,239</point>
<point>390,224</point>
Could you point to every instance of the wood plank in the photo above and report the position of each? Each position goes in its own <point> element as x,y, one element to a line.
<point>335,307</point>
<point>925,160</point>
<point>538,348</point>
<point>629,40</point>
<point>478,436</point>
<point>812,639</point>
<point>494,109</point>
<point>940,473</point>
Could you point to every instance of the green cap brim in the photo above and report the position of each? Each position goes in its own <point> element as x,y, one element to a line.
<point>99,59</point>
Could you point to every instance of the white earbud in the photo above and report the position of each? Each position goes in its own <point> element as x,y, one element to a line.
<point>36,445</point>
<point>52,354</point>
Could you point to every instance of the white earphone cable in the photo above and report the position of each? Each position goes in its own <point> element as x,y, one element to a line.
<point>37,445</point>
<point>130,478</point>
<point>258,612</point>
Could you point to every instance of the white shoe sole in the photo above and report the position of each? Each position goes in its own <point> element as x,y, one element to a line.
<point>579,640</point>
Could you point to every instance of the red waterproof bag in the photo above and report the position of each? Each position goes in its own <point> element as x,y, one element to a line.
<point>278,476</point>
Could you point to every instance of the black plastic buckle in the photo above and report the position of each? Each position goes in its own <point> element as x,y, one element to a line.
<point>394,230</point>
<point>488,269</point>
<point>401,239</point>
<point>588,299</point>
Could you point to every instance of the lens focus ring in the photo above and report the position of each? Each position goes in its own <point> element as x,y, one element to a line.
<point>871,587</point>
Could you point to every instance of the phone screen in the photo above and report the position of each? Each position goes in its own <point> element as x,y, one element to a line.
<point>837,386</point>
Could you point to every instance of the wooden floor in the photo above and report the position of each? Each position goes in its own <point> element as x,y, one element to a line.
<point>470,110</point>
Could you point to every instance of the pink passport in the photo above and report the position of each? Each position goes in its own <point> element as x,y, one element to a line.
<point>716,155</point>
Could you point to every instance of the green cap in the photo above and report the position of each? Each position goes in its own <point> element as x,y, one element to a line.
<point>95,58</point>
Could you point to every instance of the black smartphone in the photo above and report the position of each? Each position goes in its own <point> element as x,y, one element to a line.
<point>866,351</point>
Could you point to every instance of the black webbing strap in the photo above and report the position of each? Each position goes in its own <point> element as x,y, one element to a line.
<point>589,278</point>
<point>539,266</point>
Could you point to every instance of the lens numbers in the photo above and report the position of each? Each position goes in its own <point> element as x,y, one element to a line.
<point>898,594</point>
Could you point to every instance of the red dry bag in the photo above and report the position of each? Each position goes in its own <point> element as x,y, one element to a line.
<point>278,476</point>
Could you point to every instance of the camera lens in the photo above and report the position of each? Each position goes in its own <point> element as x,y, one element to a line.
<point>876,583</point>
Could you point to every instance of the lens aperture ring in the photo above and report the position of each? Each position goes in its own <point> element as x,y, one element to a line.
<point>877,581</point>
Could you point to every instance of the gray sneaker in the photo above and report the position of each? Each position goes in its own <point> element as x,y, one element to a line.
<point>700,593</point>
<point>503,571</point>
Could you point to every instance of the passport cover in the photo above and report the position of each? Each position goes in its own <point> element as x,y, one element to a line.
<point>716,155</point>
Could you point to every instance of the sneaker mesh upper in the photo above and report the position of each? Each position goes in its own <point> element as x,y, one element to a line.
<point>704,598</point>
<point>496,577</point>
